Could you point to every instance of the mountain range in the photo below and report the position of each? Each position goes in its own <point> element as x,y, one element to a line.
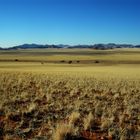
<point>94,46</point>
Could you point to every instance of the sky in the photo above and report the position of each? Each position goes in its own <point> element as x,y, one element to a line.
<point>69,22</point>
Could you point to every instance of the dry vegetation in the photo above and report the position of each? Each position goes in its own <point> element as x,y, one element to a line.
<point>61,106</point>
<point>45,100</point>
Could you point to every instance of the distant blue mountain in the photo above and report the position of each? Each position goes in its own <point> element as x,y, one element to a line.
<point>95,46</point>
<point>137,46</point>
<point>34,46</point>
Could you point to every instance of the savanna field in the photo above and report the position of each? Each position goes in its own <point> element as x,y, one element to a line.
<point>70,94</point>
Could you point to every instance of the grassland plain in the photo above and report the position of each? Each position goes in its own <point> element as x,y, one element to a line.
<point>94,97</point>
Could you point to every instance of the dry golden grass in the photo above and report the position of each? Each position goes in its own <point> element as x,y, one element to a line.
<point>62,131</point>
<point>54,106</point>
<point>68,101</point>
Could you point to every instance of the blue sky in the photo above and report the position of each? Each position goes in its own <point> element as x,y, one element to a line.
<point>69,22</point>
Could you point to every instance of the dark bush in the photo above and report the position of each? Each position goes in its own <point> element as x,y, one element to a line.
<point>62,61</point>
<point>70,62</point>
<point>16,60</point>
<point>97,61</point>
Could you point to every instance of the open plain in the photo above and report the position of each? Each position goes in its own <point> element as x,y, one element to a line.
<point>65,94</point>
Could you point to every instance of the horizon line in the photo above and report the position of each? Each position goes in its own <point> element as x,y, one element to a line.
<point>71,45</point>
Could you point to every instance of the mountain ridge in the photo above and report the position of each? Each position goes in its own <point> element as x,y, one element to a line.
<point>99,46</point>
